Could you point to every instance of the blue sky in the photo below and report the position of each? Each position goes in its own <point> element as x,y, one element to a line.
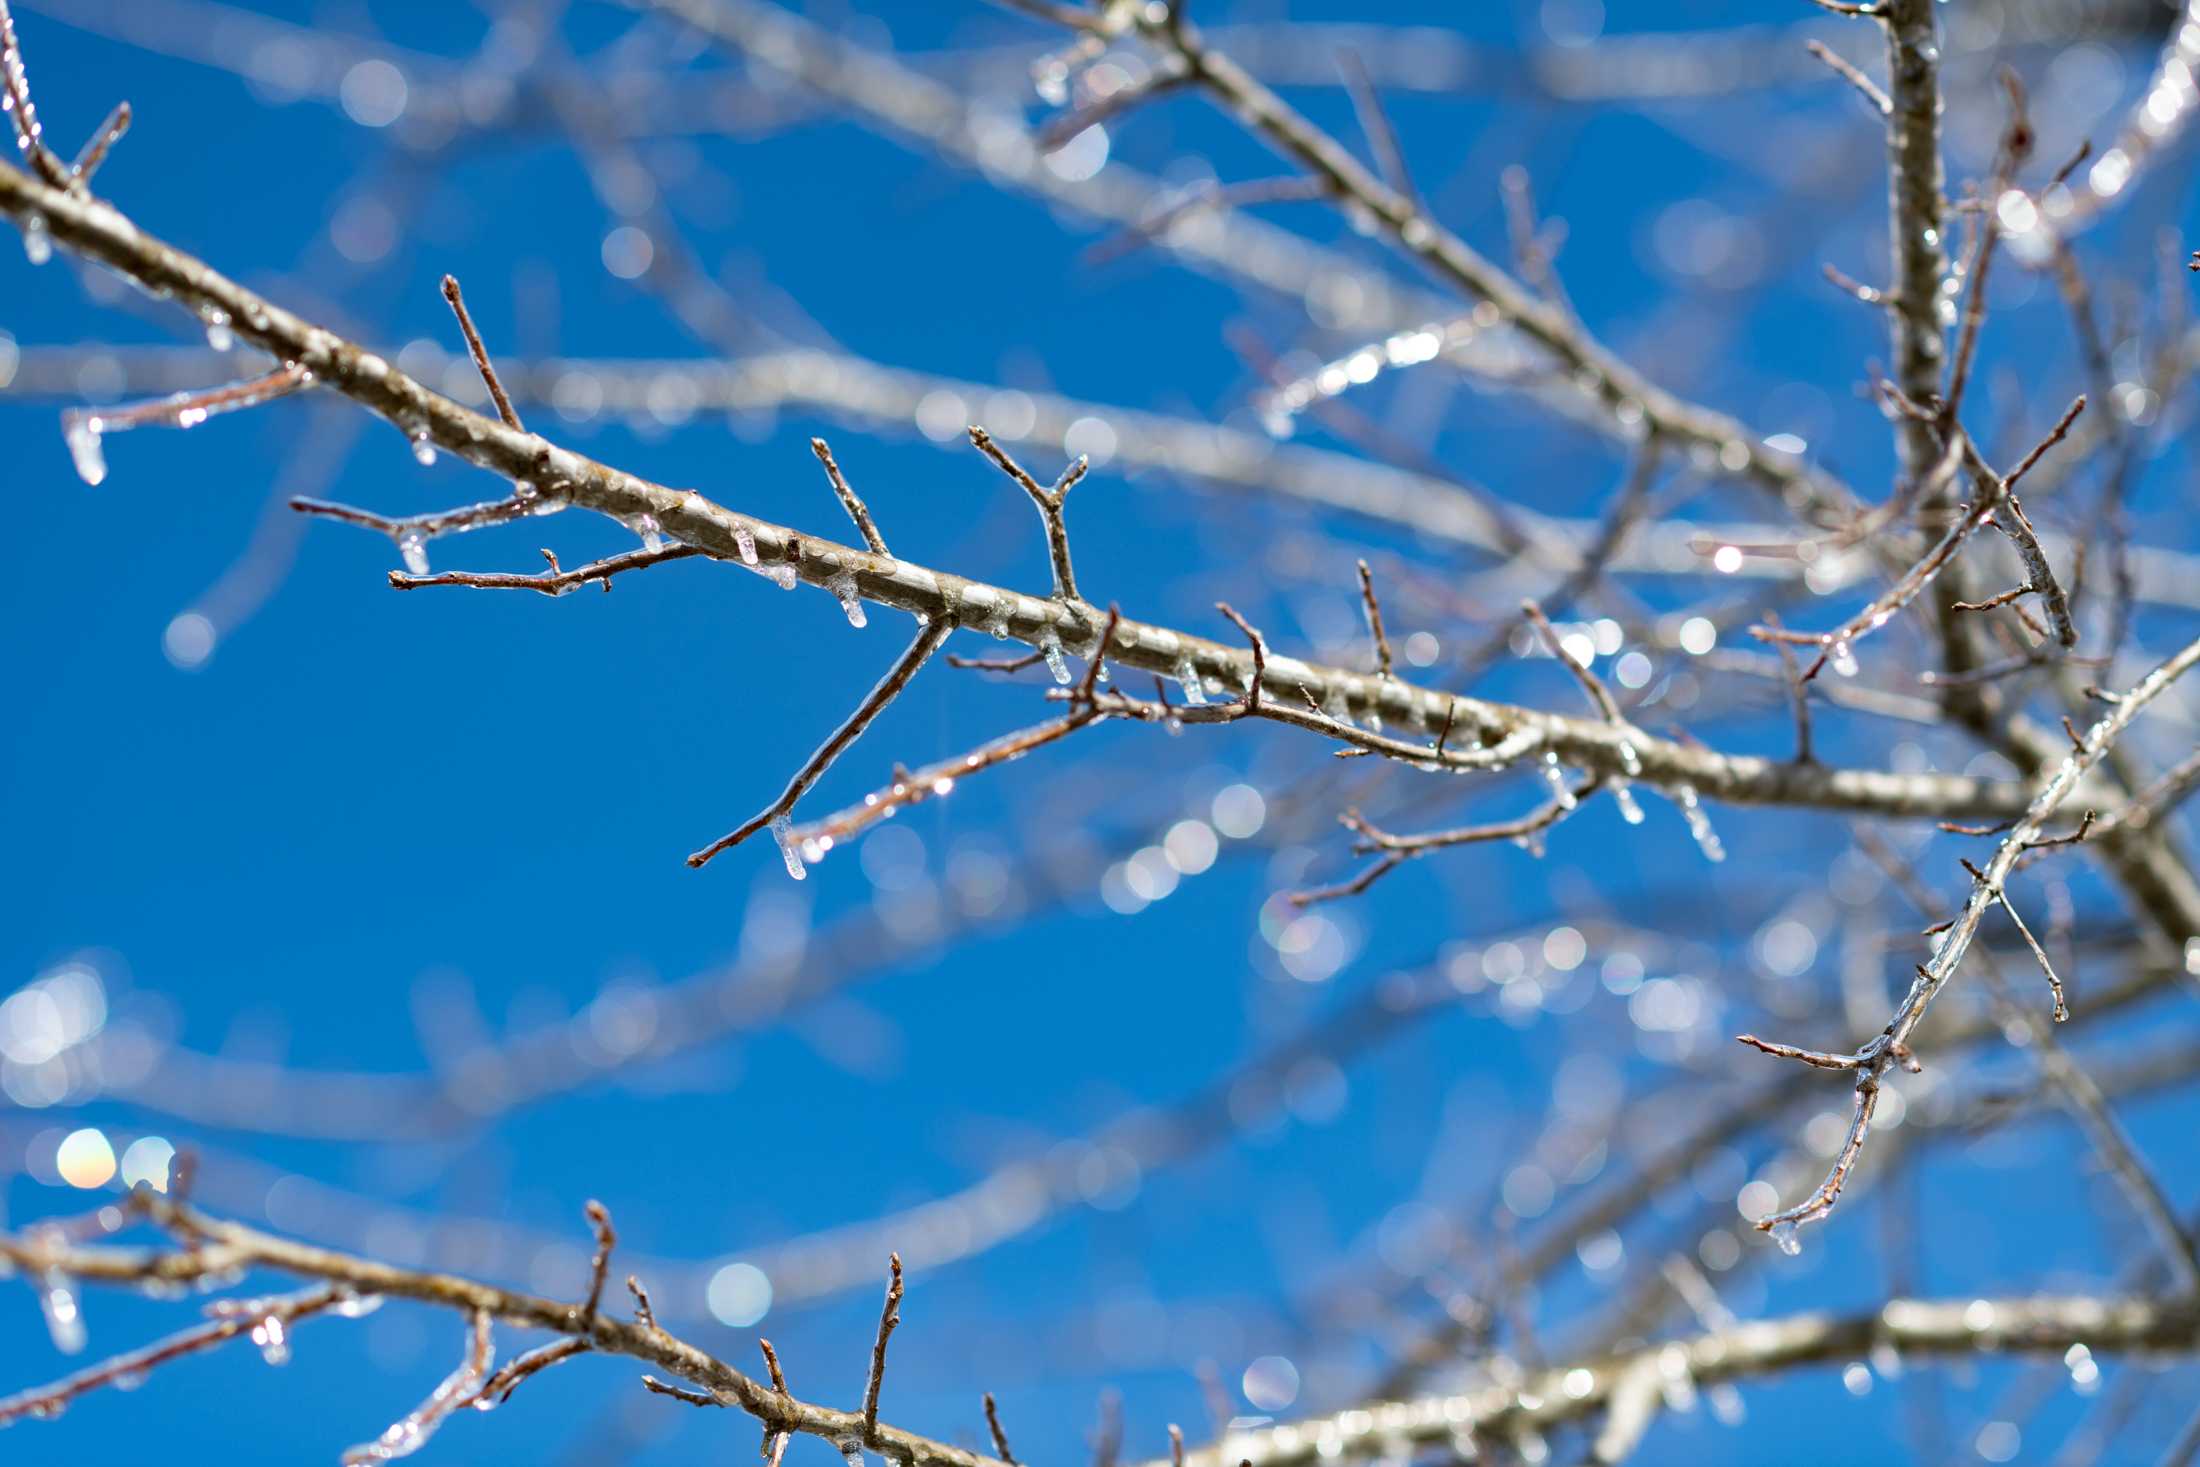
<point>367,821</point>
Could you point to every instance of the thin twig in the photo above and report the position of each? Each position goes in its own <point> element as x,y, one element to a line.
<point>920,649</point>
<point>857,509</point>
<point>889,1317</point>
<point>480,354</point>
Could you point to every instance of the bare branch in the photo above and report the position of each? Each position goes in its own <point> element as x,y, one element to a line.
<point>857,510</point>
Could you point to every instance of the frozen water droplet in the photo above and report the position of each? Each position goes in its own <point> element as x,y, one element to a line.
<point>996,625</point>
<point>218,335</point>
<point>1334,705</point>
<point>37,241</point>
<point>1623,795</point>
<point>1699,824</point>
<point>82,430</point>
<point>1630,758</point>
<point>1050,79</point>
<point>653,535</point>
<point>128,1380</point>
<point>1783,1234</point>
<point>413,545</point>
<point>1050,647</point>
<point>1532,842</point>
<point>1843,658</point>
<point>423,450</point>
<point>273,1340</point>
<point>1554,775</point>
<point>1195,686</point>
<point>64,1319</point>
<point>358,1306</point>
<point>783,832</point>
<point>745,542</point>
<point>843,587</point>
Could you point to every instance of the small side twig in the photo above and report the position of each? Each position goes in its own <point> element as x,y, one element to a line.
<point>889,1317</point>
<point>1000,1437</point>
<point>607,1238</point>
<point>1375,621</point>
<point>1050,506</point>
<point>858,511</point>
<point>480,354</point>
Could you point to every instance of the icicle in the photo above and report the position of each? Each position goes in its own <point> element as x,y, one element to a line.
<point>1623,795</point>
<point>218,335</point>
<point>273,1340</point>
<point>1050,647</point>
<point>64,1317</point>
<point>1195,686</point>
<point>1554,775</point>
<point>423,450</point>
<point>1783,1234</point>
<point>783,832</point>
<point>843,587</point>
<point>37,241</point>
<point>653,535</point>
<point>1843,658</point>
<point>1530,841</point>
<point>413,545</point>
<point>83,430</point>
<point>1726,1404</point>
<point>745,542</point>
<point>1091,652</point>
<point>358,1306</point>
<point>851,1453</point>
<point>1334,705</point>
<point>1699,824</point>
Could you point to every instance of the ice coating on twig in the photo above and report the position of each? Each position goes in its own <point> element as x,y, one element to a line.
<point>409,1434</point>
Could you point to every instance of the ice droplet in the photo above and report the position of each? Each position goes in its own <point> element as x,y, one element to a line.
<point>1050,79</point>
<point>653,535</point>
<point>1843,658</point>
<point>1195,686</point>
<point>218,335</point>
<point>745,542</point>
<point>423,450</point>
<point>843,587</point>
<point>1050,647</point>
<point>64,1318</point>
<point>413,545</point>
<point>1783,1234</point>
<point>1531,841</point>
<point>37,241</point>
<point>82,430</point>
<point>783,832</point>
<point>273,1340</point>
<point>1699,824</point>
<point>1623,795</point>
<point>1554,775</point>
<point>358,1306</point>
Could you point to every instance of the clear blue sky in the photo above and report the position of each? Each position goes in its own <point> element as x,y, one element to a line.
<point>362,803</point>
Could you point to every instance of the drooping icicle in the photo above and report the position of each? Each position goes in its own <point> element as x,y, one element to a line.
<point>745,542</point>
<point>412,543</point>
<point>1699,824</point>
<point>783,832</point>
<point>1784,1235</point>
<point>1554,775</point>
<point>1843,658</point>
<point>1334,706</point>
<point>1531,841</point>
<point>357,1306</point>
<point>83,432</point>
<point>843,587</point>
<point>218,335</point>
<point>1195,686</point>
<point>652,533</point>
<point>1050,647</point>
<point>37,241</point>
<point>273,1340</point>
<point>423,450</point>
<point>57,1299</point>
